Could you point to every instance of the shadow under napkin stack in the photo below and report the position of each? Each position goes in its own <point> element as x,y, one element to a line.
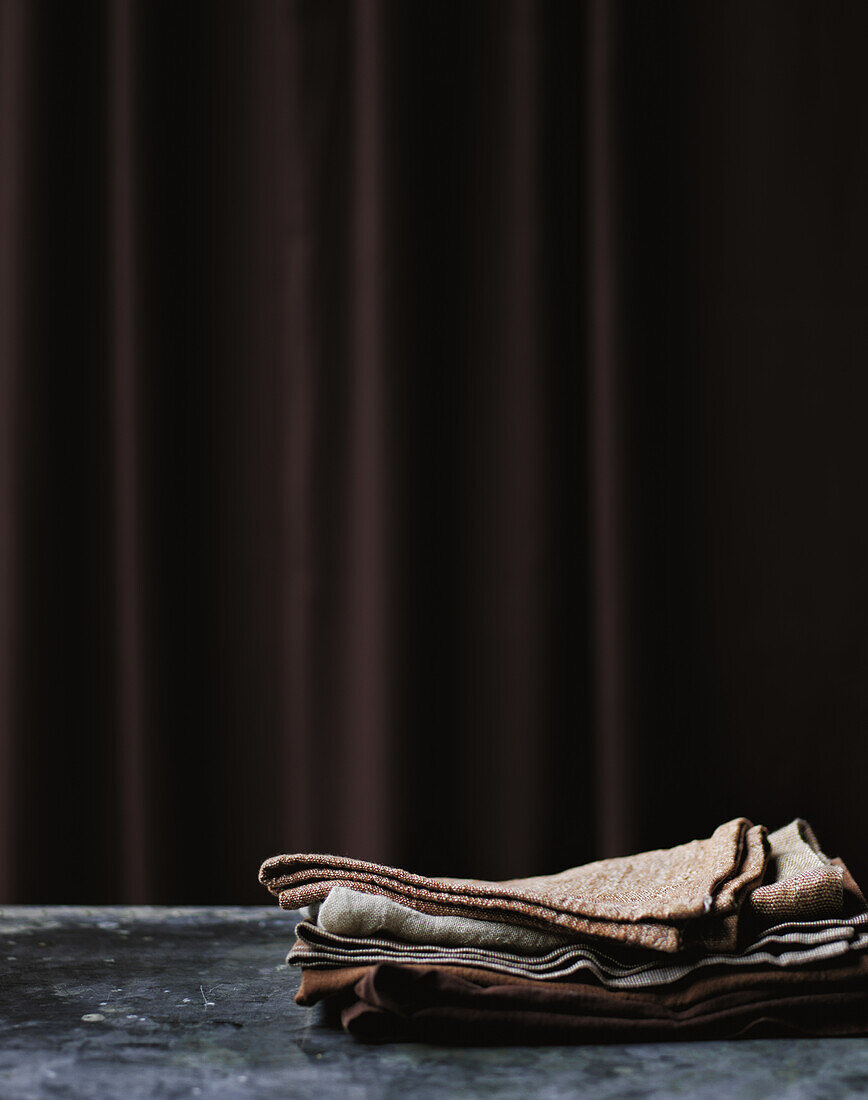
<point>743,934</point>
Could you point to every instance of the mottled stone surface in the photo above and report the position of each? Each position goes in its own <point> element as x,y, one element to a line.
<point>198,1002</point>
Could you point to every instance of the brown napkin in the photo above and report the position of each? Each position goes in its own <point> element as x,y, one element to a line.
<point>442,1004</point>
<point>647,900</point>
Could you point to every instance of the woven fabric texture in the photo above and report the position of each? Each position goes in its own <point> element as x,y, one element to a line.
<point>794,957</point>
<point>799,879</point>
<point>783,946</point>
<point>645,900</point>
<point>700,990</point>
<point>347,912</point>
<point>441,1005</point>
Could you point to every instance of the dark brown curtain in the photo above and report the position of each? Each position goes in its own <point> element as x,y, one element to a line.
<point>429,432</point>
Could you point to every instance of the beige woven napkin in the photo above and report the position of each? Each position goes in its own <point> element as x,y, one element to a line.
<point>655,899</point>
<point>800,881</point>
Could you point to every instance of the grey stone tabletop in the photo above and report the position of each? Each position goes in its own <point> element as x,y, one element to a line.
<point>154,1002</point>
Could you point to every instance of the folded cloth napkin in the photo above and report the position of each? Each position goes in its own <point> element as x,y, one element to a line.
<point>398,956</point>
<point>693,989</point>
<point>659,899</point>
<point>349,913</point>
<point>424,1004</point>
<point>788,943</point>
<point>800,881</point>
<point>783,946</point>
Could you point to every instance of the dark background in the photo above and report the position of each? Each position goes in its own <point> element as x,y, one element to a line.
<point>428,432</point>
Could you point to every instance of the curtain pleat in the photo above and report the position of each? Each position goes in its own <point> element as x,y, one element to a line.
<point>125,352</point>
<point>14,150</point>
<point>614,765</point>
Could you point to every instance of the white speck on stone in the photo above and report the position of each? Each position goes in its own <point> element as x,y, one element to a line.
<point>92,1017</point>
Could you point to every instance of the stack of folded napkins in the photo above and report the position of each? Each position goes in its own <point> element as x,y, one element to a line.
<point>743,934</point>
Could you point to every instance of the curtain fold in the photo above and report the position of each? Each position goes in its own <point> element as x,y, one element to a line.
<point>125,352</point>
<point>428,433</point>
<point>606,427</point>
<point>14,57</point>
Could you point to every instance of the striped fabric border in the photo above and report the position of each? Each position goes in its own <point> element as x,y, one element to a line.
<point>788,944</point>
